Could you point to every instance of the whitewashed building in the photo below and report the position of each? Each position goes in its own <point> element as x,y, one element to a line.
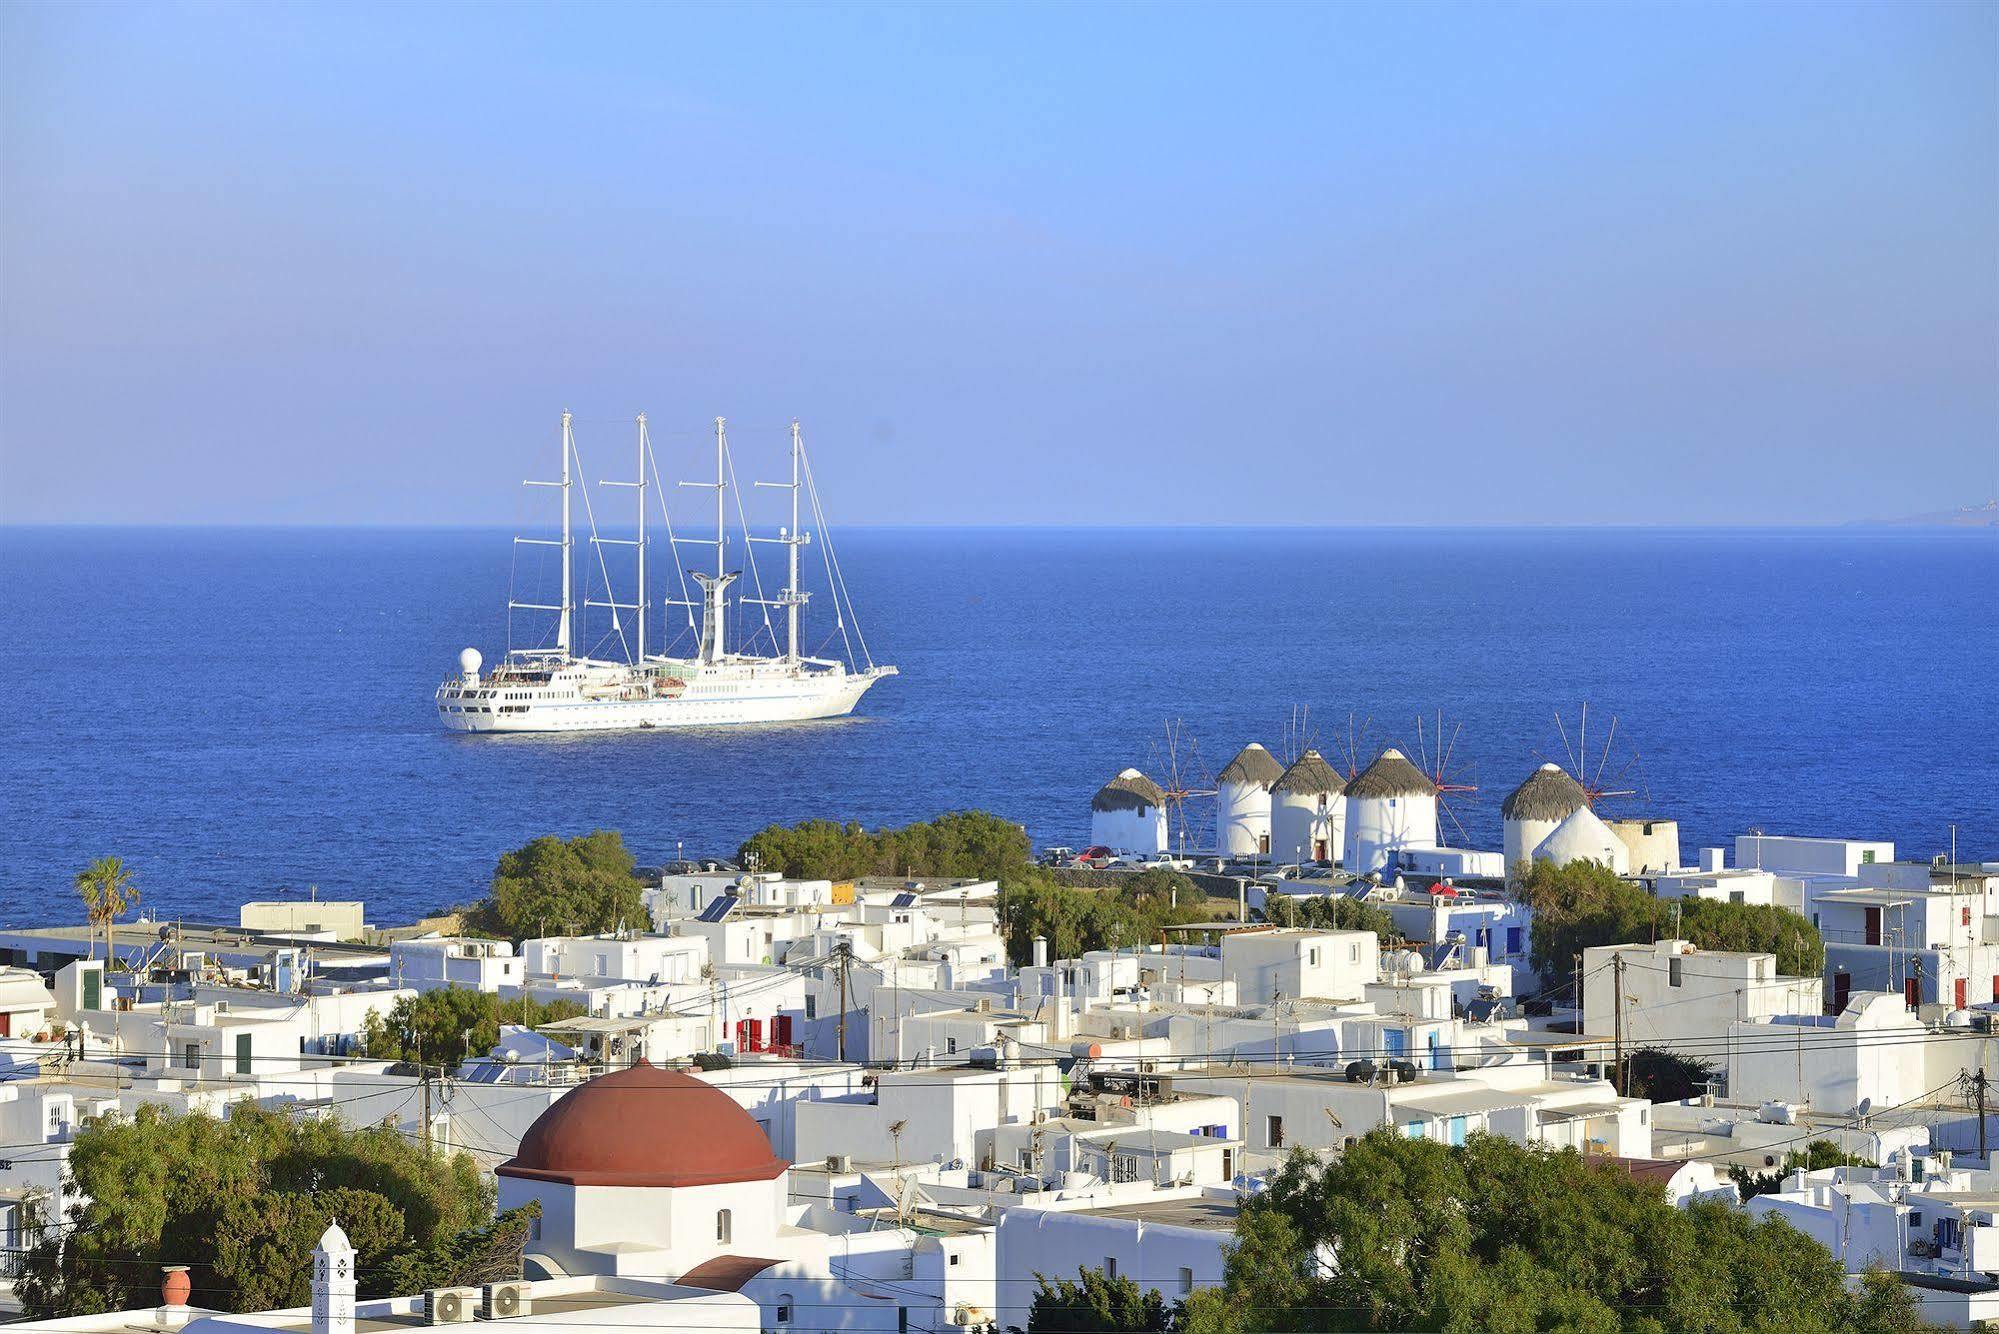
<point>1243,802</point>
<point>1683,998</point>
<point>1533,810</point>
<point>1390,805</point>
<point>1307,811</point>
<point>1129,814</point>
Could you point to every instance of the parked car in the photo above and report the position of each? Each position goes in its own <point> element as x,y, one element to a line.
<point>1093,858</point>
<point>1166,861</point>
<point>1057,856</point>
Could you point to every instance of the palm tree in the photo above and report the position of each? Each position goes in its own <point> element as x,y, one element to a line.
<point>106,888</point>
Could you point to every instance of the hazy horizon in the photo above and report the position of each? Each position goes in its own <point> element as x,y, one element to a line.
<point>1494,266</point>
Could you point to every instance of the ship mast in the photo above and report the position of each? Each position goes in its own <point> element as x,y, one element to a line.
<point>645,447</point>
<point>568,543</point>
<point>639,606</point>
<point>562,607</point>
<point>714,586</point>
<point>792,539</point>
<point>792,599</point>
<point>721,485</point>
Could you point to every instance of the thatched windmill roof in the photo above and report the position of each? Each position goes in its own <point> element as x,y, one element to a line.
<point>1254,765</point>
<point>1549,793</point>
<point>1391,775</point>
<point>1129,791</point>
<point>1309,776</point>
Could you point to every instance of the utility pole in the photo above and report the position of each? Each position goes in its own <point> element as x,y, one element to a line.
<point>423,1083</point>
<point>1978,1091</point>
<point>841,954</point>
<point>1617,980</point>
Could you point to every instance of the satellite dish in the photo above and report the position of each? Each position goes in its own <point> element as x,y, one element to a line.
<point>1866,1106</point>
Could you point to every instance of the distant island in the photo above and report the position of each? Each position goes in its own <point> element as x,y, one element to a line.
<point>1966,516</point>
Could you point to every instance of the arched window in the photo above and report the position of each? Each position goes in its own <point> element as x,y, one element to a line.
<point>722,1226</point>
<point>784,1308</point>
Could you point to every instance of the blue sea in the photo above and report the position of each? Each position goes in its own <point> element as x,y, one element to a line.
<point>247,712</point>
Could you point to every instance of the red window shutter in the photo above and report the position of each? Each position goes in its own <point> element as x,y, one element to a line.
<point>1912,992</point>
<point>1960,993</point>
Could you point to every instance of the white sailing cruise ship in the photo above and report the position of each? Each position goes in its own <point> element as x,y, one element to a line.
<point>554,688</point>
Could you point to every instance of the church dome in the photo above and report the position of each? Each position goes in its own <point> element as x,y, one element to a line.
<point>644,1126</point>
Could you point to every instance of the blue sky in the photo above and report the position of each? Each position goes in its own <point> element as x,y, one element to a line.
<point>1125,264</point>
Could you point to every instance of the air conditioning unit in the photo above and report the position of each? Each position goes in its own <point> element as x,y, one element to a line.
<point>985,1005</point>
<point>839,1162</point>
<point>450,1306</point>
<point>500,1301</point>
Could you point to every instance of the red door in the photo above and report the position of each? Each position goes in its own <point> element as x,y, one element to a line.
<point>7,1020</point>
<point>742,1035</point>
<point>1912,992</point>
<point>1842,990</point>
<point>1873,926</point>
<point>780,1031</point>
<point>756,1034</point>
<point>1960,993</point>
<point>1995,986</point>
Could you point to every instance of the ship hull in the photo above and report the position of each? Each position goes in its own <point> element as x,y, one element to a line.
<point>784,701</point>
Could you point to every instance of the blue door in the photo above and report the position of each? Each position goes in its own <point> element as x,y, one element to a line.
<point>1512,941</point>
<point>1458,1130</point>
<point>1395,1041</point>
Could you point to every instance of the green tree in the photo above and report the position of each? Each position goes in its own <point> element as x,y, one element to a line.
<point>1094,1302</point>
<point>107,891</point>
<point>1814,1157</point>
<point>1325,912</point>
<point>1412,1234</point>
<point>1657,1075</point>
<point>972,844</point>
<point>240,1201</point>
<point>1584,905</point>
<point>445,1025</point>
<point>261,1237</point>
<point>555,885</point>
<point>487,1254</point>
<point>1033,903</point>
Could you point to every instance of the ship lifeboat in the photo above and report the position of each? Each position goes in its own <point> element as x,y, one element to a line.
<point>672,687</point>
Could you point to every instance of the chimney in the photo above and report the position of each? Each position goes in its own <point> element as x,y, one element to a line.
<point>333,1283</point>
<point>1711,858</point>
<point>1061,1015</point>
<point>1041,951</point>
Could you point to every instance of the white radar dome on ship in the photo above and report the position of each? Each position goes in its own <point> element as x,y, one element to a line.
<point>469,661</point>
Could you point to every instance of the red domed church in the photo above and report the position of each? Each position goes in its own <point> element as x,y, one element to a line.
<point>650,1173</point>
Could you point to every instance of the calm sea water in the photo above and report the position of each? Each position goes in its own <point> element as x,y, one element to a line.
<point>239,712</point>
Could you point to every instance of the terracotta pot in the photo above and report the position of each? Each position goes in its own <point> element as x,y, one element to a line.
<point>176,1286</point>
